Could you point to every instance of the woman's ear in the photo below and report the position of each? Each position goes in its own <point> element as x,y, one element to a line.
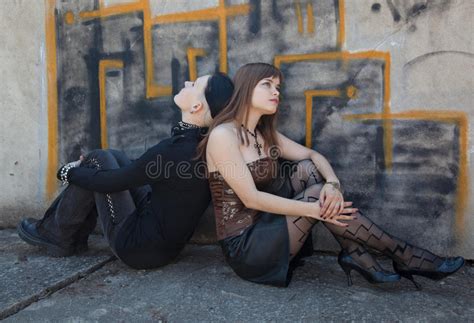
<point>196,107</point>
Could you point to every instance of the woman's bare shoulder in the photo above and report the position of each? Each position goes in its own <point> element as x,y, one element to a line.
<point>227,130</point>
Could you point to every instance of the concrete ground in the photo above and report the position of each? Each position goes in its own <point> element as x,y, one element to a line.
<point>94,287</point>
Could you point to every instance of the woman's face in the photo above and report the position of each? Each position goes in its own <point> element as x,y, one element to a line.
<point>192,93</point>
<point>266,94</point>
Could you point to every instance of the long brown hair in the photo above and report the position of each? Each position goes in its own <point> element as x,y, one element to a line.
<point>245,81</point>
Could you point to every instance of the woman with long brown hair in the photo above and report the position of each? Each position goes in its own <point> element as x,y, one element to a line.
<point>265,213</point>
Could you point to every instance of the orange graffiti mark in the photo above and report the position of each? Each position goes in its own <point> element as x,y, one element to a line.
<point>51,183</point>
<point>346,56</point>
<point>152,89</point>
<point>341,34</point>
<point>456,117</point>
<point>69,18</point>
<point>103,66</point>
<point>351,92</point>
<point>309,110</point>
<point>220,13</point>
<point>299,16</point>
<point>192,53</point>
<point>309,10</point>
<point>309,95</point>
<point>120,9</point>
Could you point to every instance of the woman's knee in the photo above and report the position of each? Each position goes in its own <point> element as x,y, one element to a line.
<point>305,169</point>
<point>96,153</point>
<point>305,165</point>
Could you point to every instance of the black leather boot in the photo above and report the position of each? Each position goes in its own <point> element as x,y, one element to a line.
<point>27,230</point>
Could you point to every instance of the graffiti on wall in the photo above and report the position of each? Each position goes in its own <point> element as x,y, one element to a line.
<point>113,71</point>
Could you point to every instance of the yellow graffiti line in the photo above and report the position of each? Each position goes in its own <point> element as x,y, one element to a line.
<point>51,183</point>
<point>341,35</point>
<point>342,55</point>
<point>309,110</point>
<point>191,16</point>
<point>103,66</point>
<point>209,14</point>
<point>220,13</point>
<point>463,179</point>
<point>222,37</point>
<point>309,9</point>
<point>456,117</point>
<point>192,53</point>
<point>153,90</point>
<point>345,56</point>
<point>299,16</point>
<point>119,9</point>
<point>387,123</point>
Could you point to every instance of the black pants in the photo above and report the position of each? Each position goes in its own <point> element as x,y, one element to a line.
<point>74,213</point>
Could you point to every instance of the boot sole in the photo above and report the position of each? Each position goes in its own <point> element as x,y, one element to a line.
<point>51,249</point>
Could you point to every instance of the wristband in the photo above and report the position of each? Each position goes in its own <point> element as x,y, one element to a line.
<point>63,172</point>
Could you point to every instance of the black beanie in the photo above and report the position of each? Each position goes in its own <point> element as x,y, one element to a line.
<point>218,92</point>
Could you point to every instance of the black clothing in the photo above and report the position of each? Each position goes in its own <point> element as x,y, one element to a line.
<point>169,169</point>
<point>148,207</point>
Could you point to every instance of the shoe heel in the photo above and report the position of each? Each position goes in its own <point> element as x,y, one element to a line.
<point>349,278</point>
<point>406,274</point>
<point>347,271</point>
<point>410,278</point>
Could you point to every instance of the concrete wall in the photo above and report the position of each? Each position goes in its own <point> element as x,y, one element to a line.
<point>23,107</point>
<point>386,85</point>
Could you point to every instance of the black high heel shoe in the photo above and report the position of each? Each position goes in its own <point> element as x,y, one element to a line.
<point>447,267</point>
<point>348,264</point>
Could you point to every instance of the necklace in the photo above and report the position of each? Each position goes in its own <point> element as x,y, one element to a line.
<point>185,125</point>
<point>257,145</point>
<point>182,126</point>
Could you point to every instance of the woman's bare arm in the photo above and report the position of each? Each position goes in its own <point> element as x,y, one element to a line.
<point>224,155</point>
<point>292,150</point>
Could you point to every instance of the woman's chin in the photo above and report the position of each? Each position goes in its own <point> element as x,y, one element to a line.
<point>176,100</point>
<point>270,111</point>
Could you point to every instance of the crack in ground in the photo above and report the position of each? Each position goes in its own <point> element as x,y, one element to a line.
<point>16,307</point>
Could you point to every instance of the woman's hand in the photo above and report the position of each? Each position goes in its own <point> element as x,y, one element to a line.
<point>331,201</point>
<point>346,214</point>
<point>76,163</point>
